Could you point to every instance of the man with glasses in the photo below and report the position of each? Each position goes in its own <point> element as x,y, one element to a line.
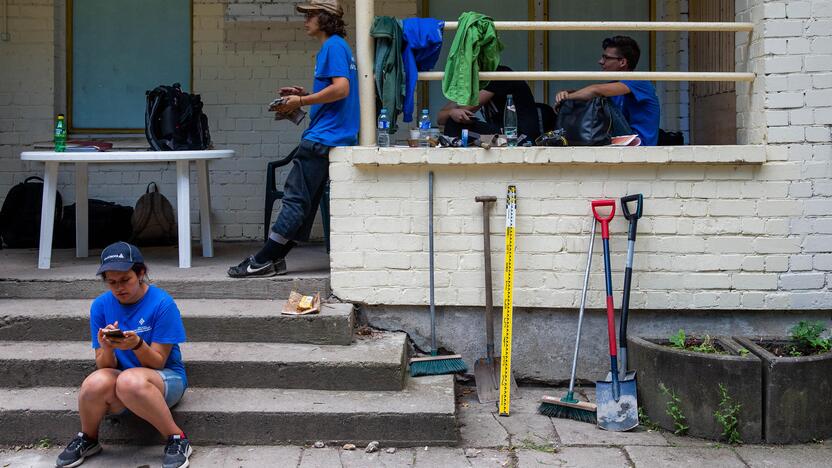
<point>636,100</point>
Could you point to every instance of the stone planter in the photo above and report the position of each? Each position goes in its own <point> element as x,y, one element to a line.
<point>797,394</point>
<point>695,377</point>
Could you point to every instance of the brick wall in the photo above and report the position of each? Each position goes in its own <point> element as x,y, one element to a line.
<point>712,237</point>
<point>672,55</point>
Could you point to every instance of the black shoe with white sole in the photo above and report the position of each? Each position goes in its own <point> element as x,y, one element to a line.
<point>177,451</point>
<point>249,268</point>
<point>77,451</point>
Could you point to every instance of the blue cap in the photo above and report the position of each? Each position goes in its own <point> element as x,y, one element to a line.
<point>119,256</point>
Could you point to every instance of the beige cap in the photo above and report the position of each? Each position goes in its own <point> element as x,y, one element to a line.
<point>329,6</point>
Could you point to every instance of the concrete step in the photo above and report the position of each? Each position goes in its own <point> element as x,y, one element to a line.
<point>74,278</point>
<point>372,363</point>
<point>205,320</point>
<point>277,287</point>
<point>421,414</point>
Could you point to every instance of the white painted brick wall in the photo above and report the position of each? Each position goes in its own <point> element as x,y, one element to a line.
<point>713,236</point>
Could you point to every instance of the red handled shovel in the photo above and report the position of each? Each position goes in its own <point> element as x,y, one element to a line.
<point>616,400</point>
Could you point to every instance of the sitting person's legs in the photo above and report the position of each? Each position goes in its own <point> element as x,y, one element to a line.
<point>301,197</point>
<point>147,393</point>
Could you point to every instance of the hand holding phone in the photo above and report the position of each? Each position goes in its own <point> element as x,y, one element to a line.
<point>113,333</point>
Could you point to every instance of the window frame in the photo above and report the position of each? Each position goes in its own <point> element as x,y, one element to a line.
<point>69,74</point>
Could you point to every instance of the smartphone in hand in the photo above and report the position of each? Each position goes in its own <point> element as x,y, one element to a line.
<point>113,333</point>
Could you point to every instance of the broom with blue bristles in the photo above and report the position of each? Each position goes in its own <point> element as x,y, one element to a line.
<point>569,407</point>
<point>434,364</point>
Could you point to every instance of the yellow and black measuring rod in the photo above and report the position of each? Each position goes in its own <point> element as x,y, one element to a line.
<point>508,290</point>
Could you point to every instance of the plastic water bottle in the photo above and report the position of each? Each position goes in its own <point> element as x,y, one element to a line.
<point>60,134</point>
<point>510,121</point>
<point>424,129</point>
<point>383,129</point>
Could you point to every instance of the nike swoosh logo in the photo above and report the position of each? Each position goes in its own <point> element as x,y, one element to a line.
<point>249,270</point>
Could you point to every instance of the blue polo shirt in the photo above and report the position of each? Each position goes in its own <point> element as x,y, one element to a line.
<point>155,318</point>
<point>335,123</point>
<point>641,109</point>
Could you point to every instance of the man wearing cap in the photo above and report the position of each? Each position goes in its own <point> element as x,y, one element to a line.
<point>136,330</point>
<point>334,120</point>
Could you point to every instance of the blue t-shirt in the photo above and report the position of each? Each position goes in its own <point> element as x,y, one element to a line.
<point>155,318</point>
<point>641,109</point>
<point>335,123</point>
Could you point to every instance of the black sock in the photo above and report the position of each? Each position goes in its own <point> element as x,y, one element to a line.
<point>270,251</point>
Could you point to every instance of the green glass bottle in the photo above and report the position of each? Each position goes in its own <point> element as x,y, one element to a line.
<point>60,134</point>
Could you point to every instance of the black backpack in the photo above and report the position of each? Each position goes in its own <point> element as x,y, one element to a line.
<point>107,222</point>
<point>154,222</point>
<point>173,120</point>
<point>20,215</point>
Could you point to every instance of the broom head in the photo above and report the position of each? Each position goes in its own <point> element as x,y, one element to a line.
<point>437,365</point>
<point>568,408</point>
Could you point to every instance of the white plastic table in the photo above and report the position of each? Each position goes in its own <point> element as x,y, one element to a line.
<point>52,160</point>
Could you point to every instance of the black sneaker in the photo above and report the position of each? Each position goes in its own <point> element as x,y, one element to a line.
<point>280,266</point>
<point>177,452</point>
<point>250,268</point>
<point>78,449</point>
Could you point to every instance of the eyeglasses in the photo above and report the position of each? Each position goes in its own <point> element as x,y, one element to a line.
<point>606,57</point>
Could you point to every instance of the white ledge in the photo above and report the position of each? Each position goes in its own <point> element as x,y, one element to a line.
<point>733,154</point>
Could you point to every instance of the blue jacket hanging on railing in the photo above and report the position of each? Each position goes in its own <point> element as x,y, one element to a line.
<point>422,45</point>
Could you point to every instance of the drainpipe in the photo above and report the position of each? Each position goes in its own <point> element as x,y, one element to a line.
<point>5,36</point>
<point>364,14</point>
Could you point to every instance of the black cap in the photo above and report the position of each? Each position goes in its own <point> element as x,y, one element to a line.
<point>119,256</point>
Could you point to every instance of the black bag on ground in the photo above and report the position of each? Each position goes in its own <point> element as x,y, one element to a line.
<point>107,222</point>
<point>173,120</point>
<point>154,222</point>
<point>585,123</point>
<point>20,215</point>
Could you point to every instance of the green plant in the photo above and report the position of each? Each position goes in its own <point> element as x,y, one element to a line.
<point>544,447</point>
<point>44,443</point>
<point>707,346</point>
<point>808,334</point>
<point>645,420</point>
<point>678,340</point>
<point>794,352</point>
<point>744,352</point>
<point>674,411</point>
<point>727,415</point>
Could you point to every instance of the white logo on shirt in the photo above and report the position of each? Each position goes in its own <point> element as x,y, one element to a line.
<point>141,321</point>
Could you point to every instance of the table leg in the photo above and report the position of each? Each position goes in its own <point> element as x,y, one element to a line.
<point>205,208</point>
<point>47,214</point>
<point>183,212</point>
<point>81,211</point>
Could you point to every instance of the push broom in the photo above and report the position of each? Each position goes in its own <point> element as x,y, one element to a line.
<point>569,407</point>
<point>434,364</point>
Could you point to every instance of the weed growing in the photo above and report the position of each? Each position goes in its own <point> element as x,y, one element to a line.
<point>674,410</point>
<point>727,415</point>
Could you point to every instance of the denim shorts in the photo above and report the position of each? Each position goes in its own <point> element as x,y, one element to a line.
<point>174,386</point>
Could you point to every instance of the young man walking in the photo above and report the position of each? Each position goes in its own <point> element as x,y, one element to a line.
<point>334,121</point>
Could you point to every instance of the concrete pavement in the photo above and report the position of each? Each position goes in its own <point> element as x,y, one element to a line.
<point>523,440</point>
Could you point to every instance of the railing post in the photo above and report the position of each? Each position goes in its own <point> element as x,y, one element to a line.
<point>364,14</point>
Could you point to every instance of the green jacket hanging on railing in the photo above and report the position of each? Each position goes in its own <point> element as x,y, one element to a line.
<point>476,48</point>
<point>389,70</point>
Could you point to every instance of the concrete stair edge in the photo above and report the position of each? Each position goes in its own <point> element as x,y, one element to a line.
<point>205,320</point>
<point>422,413</point>
<point>375,363</point>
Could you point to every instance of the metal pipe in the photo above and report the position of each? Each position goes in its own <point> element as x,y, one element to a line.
<point>613,26</point>
<point>601,76</point>
<point>364,50</point>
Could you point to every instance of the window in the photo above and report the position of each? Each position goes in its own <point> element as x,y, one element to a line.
<point>117,50</point>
